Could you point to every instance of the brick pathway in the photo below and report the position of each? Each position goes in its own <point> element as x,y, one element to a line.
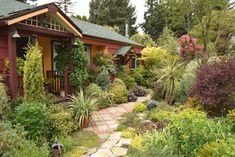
<point>106,121</point>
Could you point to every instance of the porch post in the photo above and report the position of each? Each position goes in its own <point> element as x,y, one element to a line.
<point>66,81</point>
<point>12,64</point>
<point>70,53</point>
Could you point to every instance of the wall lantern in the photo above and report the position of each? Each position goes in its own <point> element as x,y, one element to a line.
<point>15,34</point>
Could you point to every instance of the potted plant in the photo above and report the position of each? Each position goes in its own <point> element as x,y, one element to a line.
<point>82,107</point>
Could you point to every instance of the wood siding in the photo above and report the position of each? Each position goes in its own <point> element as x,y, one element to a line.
<point>3,46</point>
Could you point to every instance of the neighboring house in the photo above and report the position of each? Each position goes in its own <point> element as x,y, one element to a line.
<point>98,38</point>
<point>20,22</point>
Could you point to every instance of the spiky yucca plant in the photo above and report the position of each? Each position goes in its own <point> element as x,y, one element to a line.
<point>82,106</point>
<point>169,78</point>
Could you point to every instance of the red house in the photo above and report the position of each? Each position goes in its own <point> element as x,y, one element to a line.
<point>20,22</point>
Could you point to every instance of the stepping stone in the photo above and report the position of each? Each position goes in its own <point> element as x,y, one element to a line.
<point>91,151</point>
<point>102,153</point>
<point>118,151</point>
<point>115,136</point>
<point>109,144</point>
<point>103,136</point>
<point>123,142</point>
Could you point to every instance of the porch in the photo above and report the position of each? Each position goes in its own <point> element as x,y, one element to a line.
<point>50,45</point>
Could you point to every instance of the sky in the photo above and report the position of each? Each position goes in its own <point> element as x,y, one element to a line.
<point>81,7</point>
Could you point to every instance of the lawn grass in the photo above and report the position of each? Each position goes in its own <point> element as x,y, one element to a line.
<point>79,142</point>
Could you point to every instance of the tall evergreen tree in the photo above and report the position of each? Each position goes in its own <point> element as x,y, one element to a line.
<point>179,15</point>
<point>154,18</point>
<point>114,13</point>
<point>65,5</point>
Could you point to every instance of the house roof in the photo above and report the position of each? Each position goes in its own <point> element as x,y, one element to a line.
<point>99,31</point>
<point>12,8</point>
<point>123,50</point>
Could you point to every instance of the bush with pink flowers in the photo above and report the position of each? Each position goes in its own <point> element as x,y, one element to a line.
<point>190,49</point>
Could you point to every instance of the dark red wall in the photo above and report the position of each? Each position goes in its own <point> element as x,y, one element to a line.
<point>3,46</point>
<point>112,46</point>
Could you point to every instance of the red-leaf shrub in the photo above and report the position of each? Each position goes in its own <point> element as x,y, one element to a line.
<point>190,49</point>
<point>214,85</point>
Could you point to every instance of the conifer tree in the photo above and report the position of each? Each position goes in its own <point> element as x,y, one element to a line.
<point>114,13</point>
<point>65,5</point>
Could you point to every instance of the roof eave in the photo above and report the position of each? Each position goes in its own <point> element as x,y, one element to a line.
<point>113,41</point>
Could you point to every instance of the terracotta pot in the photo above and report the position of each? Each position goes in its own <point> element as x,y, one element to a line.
<point>86,122</point>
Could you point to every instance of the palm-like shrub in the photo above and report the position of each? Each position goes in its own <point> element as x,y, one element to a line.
<point>169,78</point>
<point>82,106</point>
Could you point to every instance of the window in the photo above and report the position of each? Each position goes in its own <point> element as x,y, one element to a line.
<point>88,52</point>
<point>56,46</point>
<point>133,63</point>
<point>44,21</point>
<point>120,61</point>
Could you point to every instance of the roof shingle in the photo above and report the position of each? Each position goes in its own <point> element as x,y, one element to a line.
<point>95,30</point>
<point>12,7</point>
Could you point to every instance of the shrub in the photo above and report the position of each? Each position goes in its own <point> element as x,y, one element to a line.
<point>30,149</point>
<point>33,74</point>
<point>4,106</point>
<point>60,121</point>
<point>128,133</point>
<point>105,99</point>
<point>214,85</point>
<point>217,149</point>
<point>152,104</point>
<point>157,92</point>
<point>93,90</point>
<point>131,97</point>
<point>139,91</point>
<point>19,65</point>
<point>104,61</point>
<point>168,41</point>
<point>190,130</point>
<point>13,143</point>
<point>129,120</point>
<point>118,81</point>
<point>34,118</point>
<point>80,72</point>
<point>127,79</point>
<point>190,49</point>
<point>11,139</point>
<point>187,80</point>
<point>139,107</point>
<point>77,152</point>
<point>142,76</point>
<point>192,103</point>
<point>103,79</point>
<point>153,57</point>
<point>120,94</point>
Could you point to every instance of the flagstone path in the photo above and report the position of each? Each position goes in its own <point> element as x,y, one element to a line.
<point>104,123</point>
